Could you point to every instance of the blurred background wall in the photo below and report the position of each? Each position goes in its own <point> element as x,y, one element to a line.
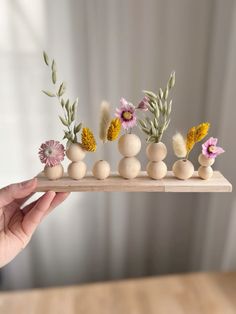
<point>106,49</point>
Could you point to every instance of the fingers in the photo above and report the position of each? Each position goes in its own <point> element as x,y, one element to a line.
<point>35,215</point>
<point>17,191</point>
<point>21,201</point>
<point>58,199</point>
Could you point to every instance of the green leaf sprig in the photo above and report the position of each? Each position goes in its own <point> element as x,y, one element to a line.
<point>69,108</point>
<point>160,110</point>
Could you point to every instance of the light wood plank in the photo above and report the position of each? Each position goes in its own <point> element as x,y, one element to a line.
<point>218,183</point>
<point>180,294</point>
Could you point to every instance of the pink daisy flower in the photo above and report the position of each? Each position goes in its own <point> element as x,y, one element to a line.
<point>209,148</point>
<point>127,114</point>
<point>51,153</point>
<point>143,105</point>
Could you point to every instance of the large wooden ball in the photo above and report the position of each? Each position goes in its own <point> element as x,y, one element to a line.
<point>77,170</point>
<point>156,169</point>
<point>183,169</point>
<point>156,151</point>
<point>129,167</point>
<point>129,145</point>
<point>75,152</point>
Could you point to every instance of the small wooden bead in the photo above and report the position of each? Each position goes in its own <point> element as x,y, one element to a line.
<point>54,173</point>
<point>101,169</point>
<point>205,161</point>
<point>205,172</point>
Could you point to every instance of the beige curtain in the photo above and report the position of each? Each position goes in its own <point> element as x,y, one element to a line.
<point>106,49</point>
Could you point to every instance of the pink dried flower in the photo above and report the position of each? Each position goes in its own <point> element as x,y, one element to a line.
<point>209,148</point>
<point>51,153</point>
<point>143,105</point>
<point>127,114</point>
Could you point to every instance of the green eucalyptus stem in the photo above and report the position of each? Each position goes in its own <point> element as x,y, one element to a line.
<point>69,109</point>
<point>66,118</point>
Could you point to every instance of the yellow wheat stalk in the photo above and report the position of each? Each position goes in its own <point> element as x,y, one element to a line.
<point>114,129</point>
<point>87,140</point>
<point>201,131</point>
<point>190,140</point>
<point>196,134</point>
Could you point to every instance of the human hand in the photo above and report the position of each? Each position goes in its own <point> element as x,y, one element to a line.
<point>17,224</point>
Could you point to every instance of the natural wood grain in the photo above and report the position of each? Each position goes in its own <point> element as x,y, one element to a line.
<point>218,183</point>
<point>180,294</point>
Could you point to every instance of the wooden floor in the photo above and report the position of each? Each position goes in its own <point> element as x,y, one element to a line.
<point>114,183</point>
<point>181,294</point>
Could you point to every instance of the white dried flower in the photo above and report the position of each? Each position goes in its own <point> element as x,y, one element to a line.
<point>179,145</point>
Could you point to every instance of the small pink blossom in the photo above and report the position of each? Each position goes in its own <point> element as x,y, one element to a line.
<point>51,153</point>
<point>209,148</point>
<point>143,105</point>
<point>127,114</point>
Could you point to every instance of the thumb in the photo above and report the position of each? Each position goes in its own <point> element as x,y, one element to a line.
<point>15,191</point>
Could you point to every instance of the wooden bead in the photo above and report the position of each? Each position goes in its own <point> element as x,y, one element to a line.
<point>156,169</point>
<point>75,152</point>
<point>204,161</point>
<point>129,145</point>
<point>129,167</point>
<point>77,170</point>
<point>205,172</point>
<point>156,151</point>
<point>54,173</point>
<point>101,169</point>
<point>183,169</point>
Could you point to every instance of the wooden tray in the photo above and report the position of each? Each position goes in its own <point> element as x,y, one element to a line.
<point>218,183</point>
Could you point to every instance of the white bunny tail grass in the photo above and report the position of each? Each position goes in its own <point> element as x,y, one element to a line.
<point>179,145</point>
<point>104,120</point>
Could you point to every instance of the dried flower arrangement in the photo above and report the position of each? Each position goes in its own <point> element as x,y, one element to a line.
<point>52,153</point>
<point>109,130</point>
<point>129,144</point>
<point>154,125</point>
<point>207,158</point>
<point>75,150</point>
<point>183,168</point>
<point>157,110</point>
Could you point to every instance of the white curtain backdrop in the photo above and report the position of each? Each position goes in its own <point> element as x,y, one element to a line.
<point>106,49</point>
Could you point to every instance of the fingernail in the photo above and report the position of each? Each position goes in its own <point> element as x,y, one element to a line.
<point>27,183</point>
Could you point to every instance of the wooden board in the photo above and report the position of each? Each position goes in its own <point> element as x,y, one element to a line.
<point>218,183</point>
<point>180,294</point>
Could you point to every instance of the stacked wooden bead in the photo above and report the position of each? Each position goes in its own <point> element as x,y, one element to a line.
<point>129,146</point>
<point>156,153</point>
<point>77,168</point>
<point>205,171</point>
